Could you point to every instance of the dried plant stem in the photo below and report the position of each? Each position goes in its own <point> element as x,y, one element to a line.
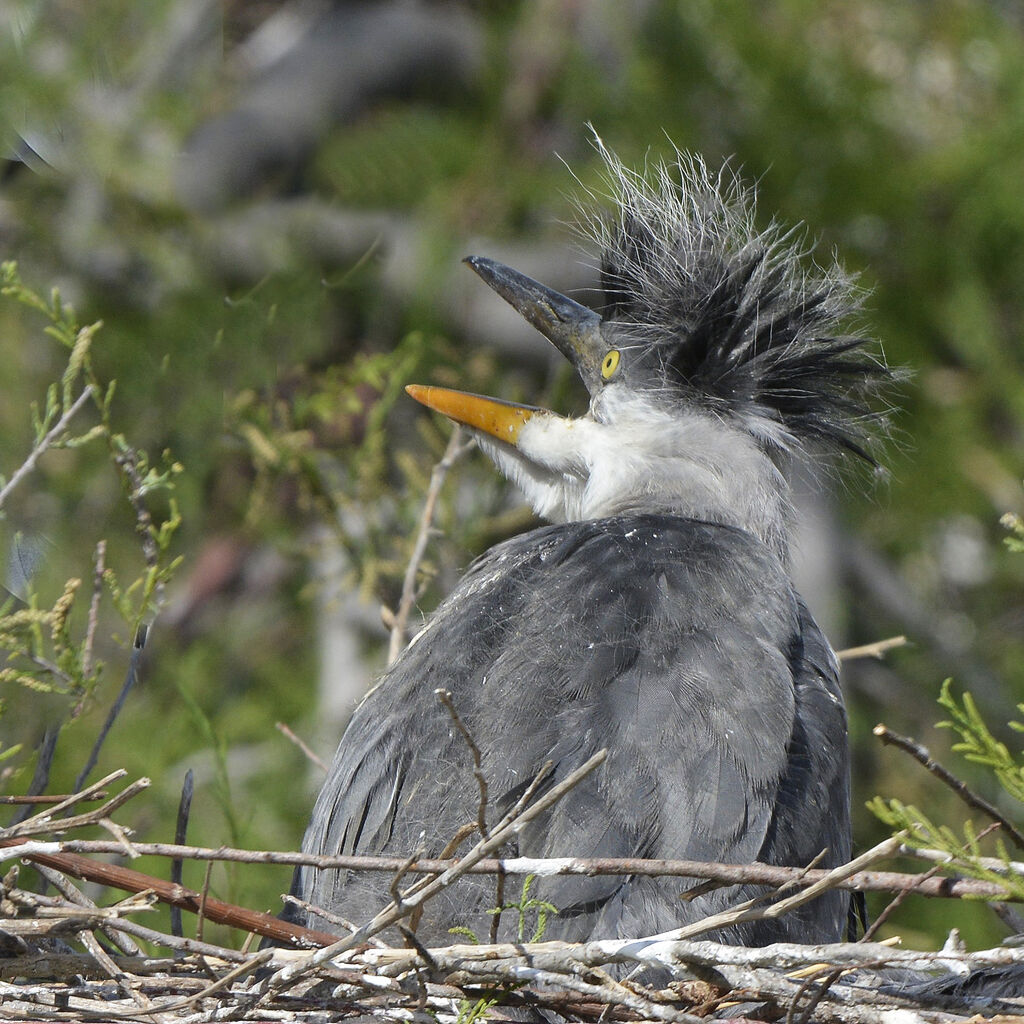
<point>520,815</point>
<point>400,622</point>
<point>481,815</point>
<point>177,895</point>
<point>94,608</point>
<point>308,751</point>
<point>52,437</point>
<point>759,912</point>
<point>923,756</point>
<point>725,874</point>
<point>875,650</point>
<point>44,821</point>
<point>944,858</point>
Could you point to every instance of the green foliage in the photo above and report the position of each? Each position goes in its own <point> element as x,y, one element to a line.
<point>978,745</point>
<point>526,906</point>
<point>1015,525</point>
<point>472,1011</point>
<point>41,652</point>
<point>49,650</point>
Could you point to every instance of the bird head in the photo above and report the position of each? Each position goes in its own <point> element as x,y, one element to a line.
<point>715,357</point>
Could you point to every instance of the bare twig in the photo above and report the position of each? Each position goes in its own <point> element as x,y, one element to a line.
<point>899,898</point>
<point>43,820</point>
<point>41,776</point>
<point>724,874</point>
<point>204,896</point>
<point>512,822</point>
<point>481,780</point>
<point>73,895</point>
<point>922,755</point>
<point>990,863</point>
<point>313,910</point>
<point>188,899</point>
<point>829,881</point>
<point>455,450</point>
<point>94,610</point>
<point>388,984</point>
<point>180,834</point>
<point>608,994</point>
<point>52,437</point>
<point>878,649</point>
<point>830,978</point>
<point>130,679</point>
<point>49,798</point>
<point>311,755</point>
<point>445,697</point>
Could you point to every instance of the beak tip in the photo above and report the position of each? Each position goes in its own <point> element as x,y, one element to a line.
<point>478,264</point>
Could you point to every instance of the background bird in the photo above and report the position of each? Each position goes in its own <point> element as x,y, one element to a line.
<point>656,618</point>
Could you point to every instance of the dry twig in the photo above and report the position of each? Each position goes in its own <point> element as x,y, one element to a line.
<point>878,649</point>
<point>519,816</point>
<point>53,436</point>
<point>922,755</point>
<point>400,620</point>
<point>724,874</point>
<point>310,754</point>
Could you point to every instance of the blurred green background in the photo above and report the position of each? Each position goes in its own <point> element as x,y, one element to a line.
<point>266,205</point>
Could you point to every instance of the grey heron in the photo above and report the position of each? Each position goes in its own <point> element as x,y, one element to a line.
<point>656,616</point>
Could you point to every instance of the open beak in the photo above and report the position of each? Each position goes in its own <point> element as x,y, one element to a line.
<point>572,328</point>
<point>502,420</point>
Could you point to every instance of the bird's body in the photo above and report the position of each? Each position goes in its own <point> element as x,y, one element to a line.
<point>656,619</point>
<point>639,672</point>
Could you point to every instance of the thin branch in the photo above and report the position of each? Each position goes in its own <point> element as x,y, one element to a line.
<point>445,697</point>
<point>876,650</point>
<point>47,798</point>
<point>724,874</point>
<point>41,776</point>
<point>511,823</point>
<point>42,821</point>
<point>990,863</point>
<point>73,895</point>
<point>311,755</point>
<point>659,951</point>
<point>455,450</point>
<point>130,679</point>
<point>608,994</point>
<point>922,755</point>
<point>51,438</point>
<point>177,895</point>
<point>901,896</point>
<point>312,910</point>
<point>180,834</point>
<point>830,880</point>
<point>98,816</point>
<point>481,815</point>
<point>94,609</point>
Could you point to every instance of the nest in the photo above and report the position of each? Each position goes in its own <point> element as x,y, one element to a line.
<point>63,957</point>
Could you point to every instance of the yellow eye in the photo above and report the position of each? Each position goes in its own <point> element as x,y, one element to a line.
<point>610,364</point>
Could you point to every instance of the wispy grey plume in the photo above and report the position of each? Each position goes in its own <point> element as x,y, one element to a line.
<point>737,317</point>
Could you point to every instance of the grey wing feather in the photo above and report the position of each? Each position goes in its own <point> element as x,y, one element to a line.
<point>645,635</point>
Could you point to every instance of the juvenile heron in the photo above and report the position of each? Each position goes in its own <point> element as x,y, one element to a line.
<point>657,618</point>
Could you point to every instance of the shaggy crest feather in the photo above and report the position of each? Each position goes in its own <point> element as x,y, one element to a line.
<point>728,313</point>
